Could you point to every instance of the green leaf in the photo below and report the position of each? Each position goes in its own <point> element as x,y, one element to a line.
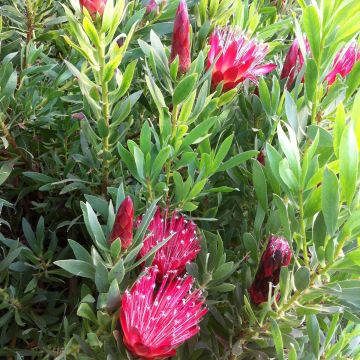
<point>117,272</point>
<point>93,225</point>
<point>80,252</point>
<point>91,31</point>
<point>114,296</point>
<point>311,79</point>
<point>313,329</point>
<point>312,28</point>
<point>353,80</point>
<point>159,162</point>
<point>77,268</point>
<point>184,89</point>
<point>302,278</point>
<point>101,277</point>
<point>237,160</point>
<point>278,341</point>
<point>340,123</point>
<point>5,171</point>
<point>85,311</point>
<point>330,200</point>
<point>260,184</point>
<point>198,133</point>
<point>348,160</point>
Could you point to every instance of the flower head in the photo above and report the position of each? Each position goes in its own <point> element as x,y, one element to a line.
<point>240,59</point>
<point>123,225</point>
<point>94,6</point>
<point>294,61</point>
<point>156,322</point>
<point>276,255</point>
<point>344,61</point>
<point>182,247</point>
<point>180,45</point>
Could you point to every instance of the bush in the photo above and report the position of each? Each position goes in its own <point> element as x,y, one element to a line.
<point>179,180</point>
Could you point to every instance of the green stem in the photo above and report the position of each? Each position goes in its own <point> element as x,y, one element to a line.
<point>302,228</point>
<point>106,116</point>
<point>173,143</point>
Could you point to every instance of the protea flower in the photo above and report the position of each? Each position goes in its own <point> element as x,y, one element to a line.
<point>180,45</point>
<point>240,59</point>
<point>151,6</point>
<point>294,61</point>
<point>344,61</point>
<point>182,247</point>
<point>156,322</point>
<point>123,225</point>
<point>93,6</point>
<point>276,255</point>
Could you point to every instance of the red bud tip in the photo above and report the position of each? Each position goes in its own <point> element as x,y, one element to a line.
<point>123,225</point>
<point>180,45</point>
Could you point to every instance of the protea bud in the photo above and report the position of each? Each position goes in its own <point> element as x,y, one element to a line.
<point>182,247</point>
<point>276,255</point>
<point>151,6</point>
<point>344,61</point>
<point>261,157</point>
<point>155,323</point>
<point>294,62</point>
<point>123,225</point>
<point>240,59</point>
<point>180,45</point>
<point>93,6</point>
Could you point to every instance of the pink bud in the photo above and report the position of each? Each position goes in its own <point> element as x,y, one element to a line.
<point>123,225</point>
<point>94,6</point>
<point>294,62</point>
<point>151,6</point>
<point>180,45</point>
<point>344,61</point>
<point>276,255</point>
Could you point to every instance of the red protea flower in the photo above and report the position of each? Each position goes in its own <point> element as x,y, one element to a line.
<point>294,61</point>
<point>123,225</point>
<point>180,45</point>
<point>344,61</point>
<point>276,255</point>
<point>93,6</point>
<point>151,6</point>
<point>182,247</point>
<point>155,323</point>
<point>240,59</point>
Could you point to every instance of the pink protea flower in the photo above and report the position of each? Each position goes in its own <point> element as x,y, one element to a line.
<point>276,255</point>
<point>180,45</point>
<point>94,6</point>
<point>151,6</point>
<point>344,61</point>
<point>182,247</point>
<point>240,59</point>
<point>123,225</point>
<point>155,323</point>
<point>294,61</point>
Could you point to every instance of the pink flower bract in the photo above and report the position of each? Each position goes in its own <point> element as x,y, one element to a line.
<point>276,255</point>
<point>294,62</point>
<point>241,58</point>
<point>182,247</point>
<point>344,61</point>
<point>180,45</point>
<point>94,6</point>
<point>123,226</point>
<point>156,322</point>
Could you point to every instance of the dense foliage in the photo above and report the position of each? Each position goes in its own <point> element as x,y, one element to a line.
<point>179,179</point>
